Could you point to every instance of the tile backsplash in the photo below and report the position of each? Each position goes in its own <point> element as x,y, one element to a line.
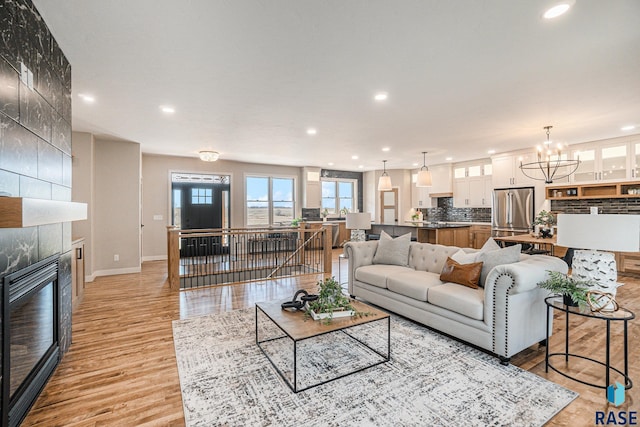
<point>605,206</point>
<point>445,211</point>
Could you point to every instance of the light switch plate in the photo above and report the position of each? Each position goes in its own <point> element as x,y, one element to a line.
<point>157,217</point>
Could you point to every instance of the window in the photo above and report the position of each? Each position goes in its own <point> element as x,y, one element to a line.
<point>201,196</point>
<point>269,200</point>
<point>337,195</point>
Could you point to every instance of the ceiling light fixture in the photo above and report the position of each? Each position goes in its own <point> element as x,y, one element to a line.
<point>424,176</point>
<point>167,109</point>
<point>491,152</point>
<point>384,183</point>
<point>312,131</point>
<point>354,157</point>
<point>627,128</point>
<point>208,155</point>
<point>382,96</point>
<point>448,159</point>
<point>551,163</point>
<point>558,9</point>
<point>385,149</point>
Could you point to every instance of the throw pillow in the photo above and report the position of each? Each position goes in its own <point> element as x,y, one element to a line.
<point>393,251</point>
<point>490,245</point>
<point>490,259</point>
<point>462,274</point>
<point>462,257</point>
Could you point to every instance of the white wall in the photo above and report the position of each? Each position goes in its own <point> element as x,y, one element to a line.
<point>156,171</point>
<point>82,191</point>
<point>116,213</point>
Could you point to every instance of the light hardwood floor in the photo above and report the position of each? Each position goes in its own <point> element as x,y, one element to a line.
<point>121,369</point>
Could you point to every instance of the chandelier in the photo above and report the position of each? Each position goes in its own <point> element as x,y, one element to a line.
<point>552,163</point>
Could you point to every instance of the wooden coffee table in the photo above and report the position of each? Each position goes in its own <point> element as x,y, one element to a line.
<point>298,328</point>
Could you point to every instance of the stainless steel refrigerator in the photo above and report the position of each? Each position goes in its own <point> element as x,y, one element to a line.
<point>512,211</point>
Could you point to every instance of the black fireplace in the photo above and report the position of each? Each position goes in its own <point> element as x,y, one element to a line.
<point>30,349</point>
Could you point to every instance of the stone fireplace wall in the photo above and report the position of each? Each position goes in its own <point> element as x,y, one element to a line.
<point>35,142</point>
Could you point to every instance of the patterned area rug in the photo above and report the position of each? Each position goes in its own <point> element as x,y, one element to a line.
<point>430,380</point>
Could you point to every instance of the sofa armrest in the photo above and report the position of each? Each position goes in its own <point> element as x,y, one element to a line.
<point>525,274</point>
<point>514,304</point>
<point>359,254</point>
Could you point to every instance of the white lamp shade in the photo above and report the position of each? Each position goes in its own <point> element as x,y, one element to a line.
<point>358,221</point>
<point>384,183</point>
<point>599,232</point>
<point>424,179</point>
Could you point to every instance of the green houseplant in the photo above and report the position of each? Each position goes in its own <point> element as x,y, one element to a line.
<point>331,301</point>
<point>573,291</point>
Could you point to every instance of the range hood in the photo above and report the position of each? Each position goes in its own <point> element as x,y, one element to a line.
<point>20,212</point>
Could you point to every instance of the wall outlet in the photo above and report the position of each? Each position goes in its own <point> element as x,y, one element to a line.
<point>116,257</point>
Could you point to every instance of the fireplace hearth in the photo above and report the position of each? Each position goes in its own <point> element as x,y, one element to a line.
<point>30,345</point>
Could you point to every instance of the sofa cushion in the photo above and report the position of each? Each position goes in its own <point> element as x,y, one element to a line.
<point>429,257</point>
<point>392,251</point>
<point>463,274</point>
<point>413,284</point>
<point>377,274</point>
<point>490,259</point>
<point>490,245</point>
<point>460,299</point>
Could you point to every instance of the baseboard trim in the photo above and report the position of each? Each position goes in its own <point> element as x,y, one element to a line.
<point>90,278</point>
<point>154,258</point>
<point>115,271</point>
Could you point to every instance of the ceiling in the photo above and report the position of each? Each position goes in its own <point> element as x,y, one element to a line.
<point>247,78</point>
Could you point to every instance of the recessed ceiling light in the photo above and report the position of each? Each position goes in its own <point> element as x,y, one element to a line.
<point>167,109</point>
<point>354,157</point>
<point>330,163</point>
<point>558,9</point>
<point>311,131</point>
<point>360,166</point>
<point>89,99</point>
<point>626,128</point>
<point>416,164</point>
<point>381,96</point>
<point>448,159</point>
<point>386,149</point>
<point>491,151</point>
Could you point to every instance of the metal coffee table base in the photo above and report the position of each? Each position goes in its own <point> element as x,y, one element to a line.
<point>294,385</point>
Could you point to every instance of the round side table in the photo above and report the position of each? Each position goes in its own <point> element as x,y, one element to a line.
<point>621,315</point>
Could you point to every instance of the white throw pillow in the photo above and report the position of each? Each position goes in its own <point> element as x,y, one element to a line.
<point>462,257</point>
<point>392,251</point>
<point>490,259</point>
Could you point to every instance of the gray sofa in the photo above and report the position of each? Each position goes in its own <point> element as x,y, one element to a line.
<point>504,317</point>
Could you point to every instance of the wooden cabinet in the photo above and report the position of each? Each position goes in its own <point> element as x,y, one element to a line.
<point>618,190</point>
<point>454,236</point>
<point>345,234</point>
<point>77,272</point>
<point>628,262</point>
<point>479,234</point>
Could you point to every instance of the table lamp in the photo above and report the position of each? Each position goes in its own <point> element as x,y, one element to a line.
<point>592,234</point>
<point>357,223</point>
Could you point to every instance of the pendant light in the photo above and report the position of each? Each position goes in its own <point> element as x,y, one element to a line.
<point>384,183</point>
<point>424,176</point>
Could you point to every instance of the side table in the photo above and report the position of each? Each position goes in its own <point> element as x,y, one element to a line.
<point>621,315</point>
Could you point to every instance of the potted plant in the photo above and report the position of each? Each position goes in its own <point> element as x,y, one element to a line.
<point>324,214</point>
<point>545,220</point>
<point>331,302</point>
<point>573,291</point>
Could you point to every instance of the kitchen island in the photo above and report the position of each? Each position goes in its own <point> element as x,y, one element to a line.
<point>439,233</point>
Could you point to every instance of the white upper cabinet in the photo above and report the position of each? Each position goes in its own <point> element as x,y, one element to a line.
<point>472,184</point>
<point>604,162</point>
<point>507,173</point>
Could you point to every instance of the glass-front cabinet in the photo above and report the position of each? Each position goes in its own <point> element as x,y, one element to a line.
<point>606,162</point>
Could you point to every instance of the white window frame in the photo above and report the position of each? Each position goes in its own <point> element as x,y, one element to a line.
<point>354,201</point>
<point>270,200</point>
